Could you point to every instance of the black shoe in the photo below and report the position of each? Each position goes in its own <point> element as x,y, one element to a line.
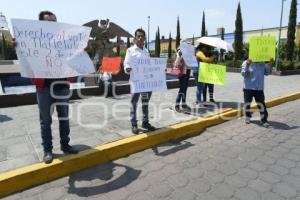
<point>247,120</point>
<point>212,100</point>
<point>186,108</point>
<point>48,157</point>
<point>134,130</point>
<point>177,109</point>
<point>148,126</point>
<point>68,149</point>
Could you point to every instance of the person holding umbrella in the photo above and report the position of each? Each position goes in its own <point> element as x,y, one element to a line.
<point>202,55</point>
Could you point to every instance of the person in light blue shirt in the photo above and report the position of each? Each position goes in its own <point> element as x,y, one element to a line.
<point>254,74</point>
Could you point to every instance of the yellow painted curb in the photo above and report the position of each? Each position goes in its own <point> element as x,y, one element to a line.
<point>29,176</point>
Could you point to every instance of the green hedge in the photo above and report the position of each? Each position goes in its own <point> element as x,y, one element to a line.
<point>289,65</point>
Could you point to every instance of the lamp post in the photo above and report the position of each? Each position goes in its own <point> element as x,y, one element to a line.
<point>279,37</point>
<point>148,36</point>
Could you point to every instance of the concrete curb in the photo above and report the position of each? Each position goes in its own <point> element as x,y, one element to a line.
<point>29,176</point>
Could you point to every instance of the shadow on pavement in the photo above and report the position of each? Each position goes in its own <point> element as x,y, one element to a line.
<point>276,125</point>
<point>173,147</point>
<point>5,118</point>
<point>281,126</point>
<point>104,178</point>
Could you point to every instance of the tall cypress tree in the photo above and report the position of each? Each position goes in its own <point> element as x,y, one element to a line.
<point>146,43</point>
<point>170,46</point>
<point>178,33</point>
<point>157,43</point>
<point>290,44</point>
<point>222,37</point>
<point>158,37</point>
<point>128,42</point>
<point>238,34</point>
<point>193,40</point>
<point>118,46</point>
<point>203,28</point>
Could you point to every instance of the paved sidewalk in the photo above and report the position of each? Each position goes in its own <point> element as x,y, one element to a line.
<point>228,161</point>
<point>99,120</point>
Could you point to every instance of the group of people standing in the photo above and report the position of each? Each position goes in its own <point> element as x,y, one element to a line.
<point>53,93</point>
<point>252,72</point>
<point>203,54</point>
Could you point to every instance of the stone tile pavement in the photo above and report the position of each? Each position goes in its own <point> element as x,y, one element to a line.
<point>228,161</point>
<point>100,120</point>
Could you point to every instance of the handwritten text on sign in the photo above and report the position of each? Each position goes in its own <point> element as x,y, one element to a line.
<point>212,73</point>
<point>148,74</point>
<point>188,54</point>
<point>51,50</point>
<point>262,48</point>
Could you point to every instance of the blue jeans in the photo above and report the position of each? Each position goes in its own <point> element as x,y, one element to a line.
<point>145,100</point>
<point>199,87</point>
<point>46,104</point>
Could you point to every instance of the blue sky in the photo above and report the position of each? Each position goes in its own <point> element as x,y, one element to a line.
<point>132,14</point>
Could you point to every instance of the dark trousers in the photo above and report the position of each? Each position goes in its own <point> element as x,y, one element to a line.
<point>145,101</point>
<point>183,86</point>
<point>47,101</point>
<point>260,101</point>
<point>210,91</point>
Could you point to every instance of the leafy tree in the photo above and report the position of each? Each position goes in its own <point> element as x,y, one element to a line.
<point>238,34</point>
<point>4,47</point>
<point>290,45</point>
<point>178,33</point>
<point>7,51</point>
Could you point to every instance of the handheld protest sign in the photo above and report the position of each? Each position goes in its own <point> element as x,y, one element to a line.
<point>148,74</point>
<point>262,48</point>
<point>49,49</point>
<point>212,73</point>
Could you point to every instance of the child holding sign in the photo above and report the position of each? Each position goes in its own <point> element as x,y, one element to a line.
<point>253,73</point>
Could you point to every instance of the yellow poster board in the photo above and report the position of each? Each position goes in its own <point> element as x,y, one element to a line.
<point>262,48</point>
<point>212,73</point>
